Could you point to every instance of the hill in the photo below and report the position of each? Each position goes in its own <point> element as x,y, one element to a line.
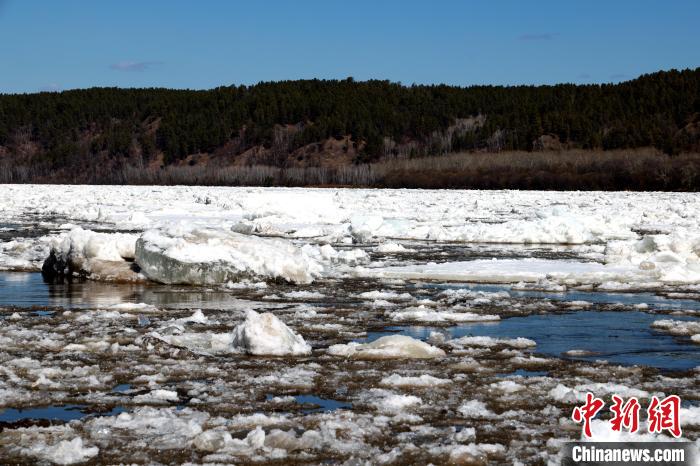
<point>104,134</point>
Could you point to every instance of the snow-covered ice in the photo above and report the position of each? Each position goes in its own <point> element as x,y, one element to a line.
<point>265,335</point>
<point>338,326</point>
<point>64,452</point>
<point>210,256</point>
<point>388,347</point>
<point>100,256</point>
<point>634,237</point>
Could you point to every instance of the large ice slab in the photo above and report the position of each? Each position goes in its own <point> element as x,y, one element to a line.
<point>511,271</point>
<point>98,256</point>
<point>201,256</point>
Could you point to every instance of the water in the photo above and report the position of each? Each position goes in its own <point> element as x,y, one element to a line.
<point>52,413</point>
<point>122,388</point>
<point>322,405</point>
<point>30,289</point>
<point>619,337</point>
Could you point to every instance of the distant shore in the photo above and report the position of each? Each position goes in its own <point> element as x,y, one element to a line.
<point>634,170</point>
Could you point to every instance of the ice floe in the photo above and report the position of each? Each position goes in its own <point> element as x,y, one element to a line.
<point>425,314</point>
<point>200,256</point>
<point>425,380</point>
<point>266,335</point>
<point>64,452</point>
<point>489,342</point>
<point>388,347</point>
<point>100,256</point>
<point>677,327</point>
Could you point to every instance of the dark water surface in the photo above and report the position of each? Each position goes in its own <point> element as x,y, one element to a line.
<point>29,289</point>
<point>624,337</point>
<point>52,413</point>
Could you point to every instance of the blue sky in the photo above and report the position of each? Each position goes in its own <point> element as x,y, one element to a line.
<point>202,44</point>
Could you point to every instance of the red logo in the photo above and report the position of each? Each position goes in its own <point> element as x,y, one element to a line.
<point>626,415</point>
<point>664,415</point>
<point>661,414</point>
<point>587,412</point>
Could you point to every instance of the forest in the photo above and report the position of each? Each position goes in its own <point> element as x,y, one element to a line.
<point>89,135</point>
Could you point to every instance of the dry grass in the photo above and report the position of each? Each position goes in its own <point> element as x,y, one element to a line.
<point>642,169</point>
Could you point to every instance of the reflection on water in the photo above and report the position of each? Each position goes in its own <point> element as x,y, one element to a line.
<point>618,337</point>
<point>30,289</point>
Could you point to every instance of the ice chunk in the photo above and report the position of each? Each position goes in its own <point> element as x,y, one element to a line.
<point>364,227</point>
<point>474,453</point>
<point>425,380</point>
<point>476,409</point>
<point>579,353</point>
<point>553,226</point>
<point>134,307</point>
<point>266,335</point>
<point>489,342</point>
<point>424,314</point>
<point>677,327</point>
<point>690,416</point>
<point>164,428</point>
<point>673,258</point>
<point>98,256</point>
<point>216,440</point>
<point>303,295</point>
<point>201,256</point>
<point>507,386</point>
<point>288,440</point>
<point>388,347</point>
<point>392,248</point>
<point>65,452</point>
<point>212,440</point>
<point>602,431</point>
<point>200,343</point>
<point>24,254</point>
<point>578,393</point>
<point>197,318</point>
<point>386,295</point>
<point>157,396</point>
<point>389,402</point>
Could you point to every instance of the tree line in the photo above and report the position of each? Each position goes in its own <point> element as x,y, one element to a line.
<point>77,127</point>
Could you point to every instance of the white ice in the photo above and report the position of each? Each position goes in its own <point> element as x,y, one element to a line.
<point>388,347</point>
<point>607,227</point>
<point>102,256</point>
<point>266,335</point>
<point>64,452</point>
<point>200,256</point>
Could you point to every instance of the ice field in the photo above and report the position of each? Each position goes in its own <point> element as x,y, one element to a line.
<point>342,326</point>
